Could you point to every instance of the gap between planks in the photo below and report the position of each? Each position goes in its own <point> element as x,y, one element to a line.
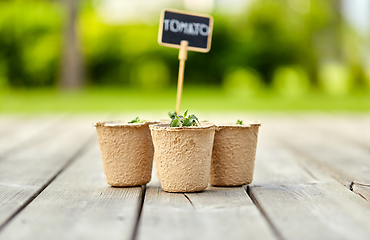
<point>361,189</point>
<point>299,199</point>
<point>39,191</point>
<point>216,213</point>
<point>79,204</point>
<point>353,135</point>
<point>139,211</point>
<point>314,211</point>
<point>22,180</point>
<point>327,160</point>
<point>264,214</point>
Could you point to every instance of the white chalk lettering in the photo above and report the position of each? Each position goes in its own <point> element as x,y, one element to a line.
<point>204,29</point>
<point>166,22</point>
<point>196,25</point>
<point>172,25</point>
<point>184,27</point>
<point>192,28</point>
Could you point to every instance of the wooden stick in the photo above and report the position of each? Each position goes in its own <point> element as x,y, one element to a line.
<point>183,53</point>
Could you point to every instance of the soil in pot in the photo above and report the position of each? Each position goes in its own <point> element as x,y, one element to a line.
<point>233,154</point>
<point>127,152</point>
<point>183,156</point>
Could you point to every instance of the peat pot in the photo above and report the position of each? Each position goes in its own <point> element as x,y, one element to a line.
<point>182,156</point>
<point>233,154</point>
<point>127,152</point>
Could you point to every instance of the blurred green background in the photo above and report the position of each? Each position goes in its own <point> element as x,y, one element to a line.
<point>273,55</point>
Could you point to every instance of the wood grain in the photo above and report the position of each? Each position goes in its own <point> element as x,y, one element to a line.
<point>361,189</point>
<point>78,204</point>
<point>275,164</point>
<point>216,213</point>
<point>26,172</point>
<point>353,128</point>
<point>300,199</point>
<point>340,158</point>
<point>314,211</point>
<point>23,130</point>
<point>53,188</point>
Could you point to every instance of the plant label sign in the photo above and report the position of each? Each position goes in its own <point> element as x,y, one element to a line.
<point>176,26</point>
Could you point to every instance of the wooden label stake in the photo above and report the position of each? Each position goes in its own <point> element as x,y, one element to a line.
<point>188,32</point>
<point>183,54</point>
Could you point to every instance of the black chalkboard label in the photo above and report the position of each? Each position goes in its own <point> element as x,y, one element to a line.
<point>176,26</point>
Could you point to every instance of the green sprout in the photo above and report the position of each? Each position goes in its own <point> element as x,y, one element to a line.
<point>183,120</point>
<point>137,120</point>
<point>172,114</point>
<point>239,122</point>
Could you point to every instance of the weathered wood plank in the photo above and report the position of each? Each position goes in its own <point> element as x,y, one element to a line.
<point>297,198</point>
<point>25,173</point>
<point>216,213</point>
<point>361,189</point>
<point>355,128</point>
<point>277,165</point>
<point>23,130</point>
<point>314,211</point>
<point>276,168</point>
<point>344,160</point>
<point>78,204</point>
<point>308,203</point>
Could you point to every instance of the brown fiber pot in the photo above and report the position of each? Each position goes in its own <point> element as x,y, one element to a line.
<point>182,156</point>
<point>127,152</point>
<point>233,154</point>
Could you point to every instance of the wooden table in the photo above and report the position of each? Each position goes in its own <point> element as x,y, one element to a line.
<point>312,181</point>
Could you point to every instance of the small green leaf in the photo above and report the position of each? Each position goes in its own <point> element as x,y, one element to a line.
<point>194,118</point>
<point>194,123</point>
<point>172,114</point>
<point>239,122</point>
<point>186,123</point>
<point>183,121</point>
<point>136,120</point>
<point>175,122</point>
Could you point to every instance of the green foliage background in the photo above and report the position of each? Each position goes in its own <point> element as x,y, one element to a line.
<point>30,43</point>
<point>267,50</point>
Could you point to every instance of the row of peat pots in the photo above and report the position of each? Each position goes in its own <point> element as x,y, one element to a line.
<point>186,158</point>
